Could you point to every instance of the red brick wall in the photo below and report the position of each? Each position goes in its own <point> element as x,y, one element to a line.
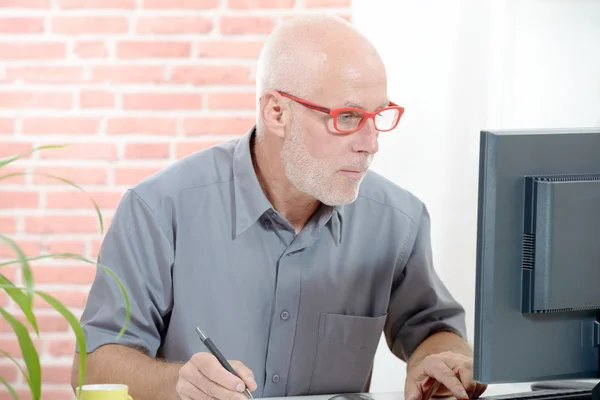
<point>132,85</point>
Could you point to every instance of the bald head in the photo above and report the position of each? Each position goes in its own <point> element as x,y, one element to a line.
<point>306,52</point>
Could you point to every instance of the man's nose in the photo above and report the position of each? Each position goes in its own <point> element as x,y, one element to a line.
<point>367,138</point>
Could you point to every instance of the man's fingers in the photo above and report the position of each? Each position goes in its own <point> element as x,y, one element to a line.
<point>187,390</point>
<point>245,373</point>
<point>214,371</point>
<point>466,377</point>
<point>445,375</point>
<point>412,390</point>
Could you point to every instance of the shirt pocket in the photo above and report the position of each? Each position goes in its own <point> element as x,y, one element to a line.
<point>345,351</point>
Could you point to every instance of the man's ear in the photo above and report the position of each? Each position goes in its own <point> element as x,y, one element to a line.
<point>275,113</point>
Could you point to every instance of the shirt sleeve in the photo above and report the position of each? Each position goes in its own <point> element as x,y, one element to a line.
<point>140,253</point>
<point>420,303</point>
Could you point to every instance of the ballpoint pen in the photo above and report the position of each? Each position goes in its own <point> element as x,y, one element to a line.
<point>213,349</point>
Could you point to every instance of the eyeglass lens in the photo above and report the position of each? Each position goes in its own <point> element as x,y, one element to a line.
<point>350,120</point>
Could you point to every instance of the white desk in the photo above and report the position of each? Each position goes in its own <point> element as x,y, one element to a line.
<point>491,390</point>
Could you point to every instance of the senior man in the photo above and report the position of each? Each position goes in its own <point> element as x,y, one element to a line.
<point>282,247</point>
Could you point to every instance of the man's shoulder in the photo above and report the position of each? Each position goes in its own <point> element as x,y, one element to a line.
<point>201,169</point>
<point>379,191</point>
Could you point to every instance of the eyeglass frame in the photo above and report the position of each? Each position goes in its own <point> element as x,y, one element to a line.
<point>334,112</point>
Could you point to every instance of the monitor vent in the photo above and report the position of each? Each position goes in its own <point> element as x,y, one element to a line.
<point>528,250</point>
<point>558,310</point>
<point>569,178</point>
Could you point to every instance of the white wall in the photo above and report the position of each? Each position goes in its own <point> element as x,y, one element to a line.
<point>459,67</point>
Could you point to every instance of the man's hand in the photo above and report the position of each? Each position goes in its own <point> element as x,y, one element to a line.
<point>452,372</point>
<point>203,377</point>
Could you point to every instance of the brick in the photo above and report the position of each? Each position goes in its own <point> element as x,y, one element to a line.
<point>141,125</point>
<point>63,246</point>
<point>9,271</point>
<point>95,248</point>
<point>90,49</point>
<point>11,345</point>
<point>236,49</point>
<point>14,179</point>
<point>327,3</point>
<point>185,148</point>
<point>32,50</point>
<point>211,74</point>
<point>8,224</point>
<point>21,25</point>
<point>78,175</point>
<point>8,371</point>
<point>70,298</point>
<point>90,98</point>
<point>97,4</point>
<point>60,125</point>
<point>231,101</point>
<point>41,100</point>
<point>49,392</point>
<point>7,125</point>
<point>131,176</point>
<point>29,247</point>
<point>173,25</point>
<point>46,323</point>
<point>58,347</point>
<point>65,274</point>
<point>56,374</point>
<point>25,3</point>
<point>162,101</point>
<point>76,200</point>
<point>147,151</point>
<point>128,74</point>
<point>82,151</point>
<point>54,74</point>
<point>9,149</point>
<point>19,199</point>
<point>243,25</point>
<point>253,4</point>
<point>153,49</point>
<point>60,224</point>
<point>181,4</point>
<point>76,25</point>
<point>217,125</point>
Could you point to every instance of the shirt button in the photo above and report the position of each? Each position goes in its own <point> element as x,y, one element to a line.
<point>267,223</point>
<point>275,378</point>
<point>285,315</point>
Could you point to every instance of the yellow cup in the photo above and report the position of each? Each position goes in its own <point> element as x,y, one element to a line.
<point>104,392</point>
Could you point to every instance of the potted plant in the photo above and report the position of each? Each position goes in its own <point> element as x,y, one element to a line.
<point>23,296</point>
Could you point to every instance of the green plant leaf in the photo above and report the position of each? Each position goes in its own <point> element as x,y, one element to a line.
<point>27,274</point>
<point>25,375</point>
<point>23,300</point>
<point>6,161</point>
<point>77,329</point>
<point>10,388</point>
<point>87,260</point>
<point>68,182</point>
<point>25,303</point>
<point>29,352</point>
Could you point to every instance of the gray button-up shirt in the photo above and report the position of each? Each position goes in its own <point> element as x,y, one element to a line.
<point>199,244</point>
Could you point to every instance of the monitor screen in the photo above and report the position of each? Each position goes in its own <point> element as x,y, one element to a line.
<point>538,256</point>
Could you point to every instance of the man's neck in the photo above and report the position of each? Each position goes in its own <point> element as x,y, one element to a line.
<point>295,206</point>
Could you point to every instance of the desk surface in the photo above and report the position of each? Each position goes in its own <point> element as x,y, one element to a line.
<point>491,390</point>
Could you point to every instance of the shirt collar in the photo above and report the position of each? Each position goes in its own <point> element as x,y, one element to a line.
<point>250,200</point>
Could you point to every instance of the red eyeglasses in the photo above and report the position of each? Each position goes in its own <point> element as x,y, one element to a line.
<point>350,119</point>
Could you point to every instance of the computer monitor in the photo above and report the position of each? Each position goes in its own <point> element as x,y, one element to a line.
<point>538,256</point>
